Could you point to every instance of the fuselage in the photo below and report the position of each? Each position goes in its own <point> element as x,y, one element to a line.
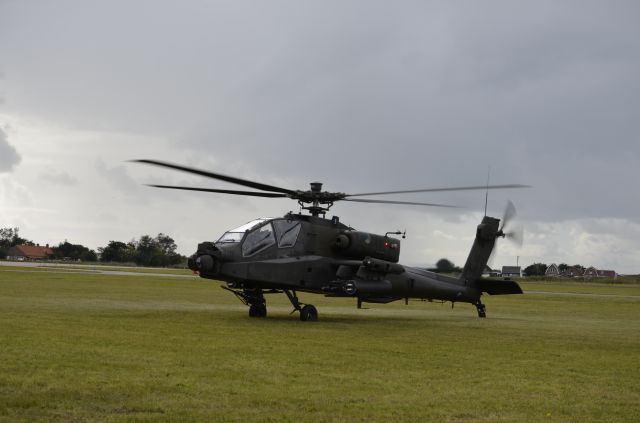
<point>312,254</point>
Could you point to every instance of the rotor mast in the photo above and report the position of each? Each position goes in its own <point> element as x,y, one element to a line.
<point>320,201</point>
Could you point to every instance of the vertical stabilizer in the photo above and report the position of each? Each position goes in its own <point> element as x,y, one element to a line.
<point>486,235</point>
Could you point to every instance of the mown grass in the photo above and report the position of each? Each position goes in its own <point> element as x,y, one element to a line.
<point>89,347</point>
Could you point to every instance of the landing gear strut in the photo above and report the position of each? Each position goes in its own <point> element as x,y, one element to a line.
<point>308,312</point>
<point>254,298</point>
<point>257,304</point>
<point>482,309</point>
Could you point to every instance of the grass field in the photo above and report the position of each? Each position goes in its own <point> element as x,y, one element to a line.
<point>78,346</point>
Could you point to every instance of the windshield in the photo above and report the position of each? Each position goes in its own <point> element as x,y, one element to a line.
<point>287,232</point>
<point>258,240</point>
<point>235,235</point>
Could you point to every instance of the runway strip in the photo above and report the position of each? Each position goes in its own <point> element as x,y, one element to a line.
<point>76,269</point>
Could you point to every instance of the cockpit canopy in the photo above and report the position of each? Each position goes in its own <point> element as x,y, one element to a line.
<point>235,235</point>
<point>263,233</point>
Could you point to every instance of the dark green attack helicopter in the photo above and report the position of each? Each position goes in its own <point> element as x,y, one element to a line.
<point>309,253</point>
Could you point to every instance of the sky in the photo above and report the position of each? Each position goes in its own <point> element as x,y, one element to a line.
<point>360,95</point>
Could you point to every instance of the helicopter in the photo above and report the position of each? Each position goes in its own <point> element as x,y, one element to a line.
<point>307,252</point>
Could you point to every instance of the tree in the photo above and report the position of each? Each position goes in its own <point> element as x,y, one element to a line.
<point>146,251</point>
<point>10,237</point>
<point>169,248</point>
<point>446,266</point>
<point>117,251</point>
<point>536,269</point>
<point>66,250</point>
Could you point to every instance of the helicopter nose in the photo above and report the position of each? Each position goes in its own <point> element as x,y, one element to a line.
<point>191,263</point>
<point>203,264</point>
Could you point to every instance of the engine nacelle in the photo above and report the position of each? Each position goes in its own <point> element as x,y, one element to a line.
<point>382,266</point>
<point>358,245</point>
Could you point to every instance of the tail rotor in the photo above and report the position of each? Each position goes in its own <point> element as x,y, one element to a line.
<point>513,231</point>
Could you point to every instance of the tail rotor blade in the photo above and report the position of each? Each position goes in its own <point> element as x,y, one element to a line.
<point>509,214</point>
<point>516,235</point>
<point>492,256</point>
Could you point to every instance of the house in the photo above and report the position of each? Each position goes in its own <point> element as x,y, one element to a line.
<point>572,271</point>
<point>490,273</point>
<point>511,271</point>
<point>592,272</point>
<point>607,274</point>
<point>552,271</point>
<point>29,252</point>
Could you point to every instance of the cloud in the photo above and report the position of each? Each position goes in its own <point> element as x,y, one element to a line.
<point>9,157</point>
<point>59,178</point>
<point>117,177</point>
<point>363,96</point>
<point>14,194</point>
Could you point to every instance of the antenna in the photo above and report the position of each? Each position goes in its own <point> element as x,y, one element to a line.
<point>486,195</point>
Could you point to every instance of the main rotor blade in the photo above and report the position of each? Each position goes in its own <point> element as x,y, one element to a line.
<point>231,179</point>
<point>411,203</point>
<point>483,187</point>
<point>224,191</point>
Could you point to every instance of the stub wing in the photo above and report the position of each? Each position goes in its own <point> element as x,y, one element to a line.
<point>498,287</point>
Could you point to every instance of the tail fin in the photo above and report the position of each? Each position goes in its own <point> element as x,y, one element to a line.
<point>486,235</point>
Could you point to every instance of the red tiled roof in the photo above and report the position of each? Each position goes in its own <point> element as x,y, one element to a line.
<point>34,251</point>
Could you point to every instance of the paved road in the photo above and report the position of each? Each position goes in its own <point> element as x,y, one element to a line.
<point>102,270</point>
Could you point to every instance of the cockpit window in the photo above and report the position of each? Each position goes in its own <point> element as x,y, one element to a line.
<point>258,240</point>
<point>287,232</point>
<point>235,235</point>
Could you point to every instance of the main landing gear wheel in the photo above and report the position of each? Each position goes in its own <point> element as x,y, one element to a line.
<point>257,310</point>
<point>482,310</point>
<point>308,313</point>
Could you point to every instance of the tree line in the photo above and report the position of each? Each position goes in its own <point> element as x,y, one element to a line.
<point>145,251</point>
<point>536,269</point>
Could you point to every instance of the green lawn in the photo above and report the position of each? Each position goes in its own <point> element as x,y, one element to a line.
<point>87,347</point>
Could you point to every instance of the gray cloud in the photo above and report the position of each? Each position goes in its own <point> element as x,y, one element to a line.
<point>9,157</point>
<point>59,178</point>
<point>119,179</point>
<point>362,95</point>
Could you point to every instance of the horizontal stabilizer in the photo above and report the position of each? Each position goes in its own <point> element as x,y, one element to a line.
<point>498,287</point>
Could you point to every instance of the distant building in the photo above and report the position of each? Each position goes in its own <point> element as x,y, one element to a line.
<point>572,271</point>
<point>592,272</point>
<point>511,271</point>
<point>552,271</point>
<point>29,252</point>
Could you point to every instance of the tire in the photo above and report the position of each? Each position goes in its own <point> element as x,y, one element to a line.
<point>309,313</point>
<point>257,310</point>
